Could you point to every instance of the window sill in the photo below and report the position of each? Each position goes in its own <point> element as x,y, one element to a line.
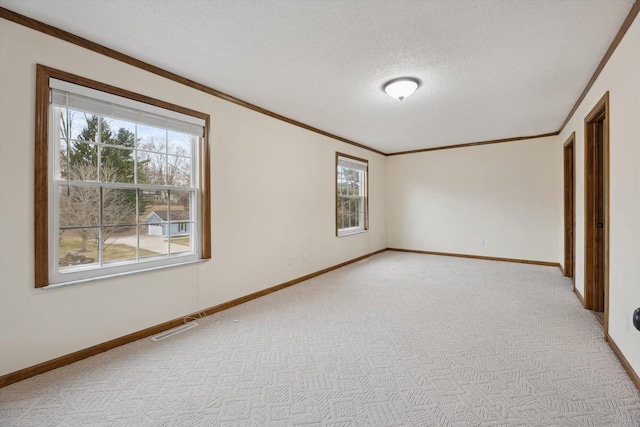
<point>125,273</point>
<point>351,232</point>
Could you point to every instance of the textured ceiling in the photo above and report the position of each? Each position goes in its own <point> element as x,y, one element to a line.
<point>490,69</point>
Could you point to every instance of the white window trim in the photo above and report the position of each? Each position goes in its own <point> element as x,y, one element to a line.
<point>351,230</point>
<point>353,163</point>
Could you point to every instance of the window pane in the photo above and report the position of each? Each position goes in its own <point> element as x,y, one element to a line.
<point>77,247</point>
<point>91,128</point>
<point>63,160</point>
<point>154,239</point>
<point>355,206</point>
<point>121,136</point>
<point>154,244</point>
<point>182,242</point>
<point>152,168</point>
<point>117,165</point>
<point>156,227</point>
<point>124,131</point>
<point>83,161</point>
<point>76,122</point>
<point>179,144</point>
<point>119,207</point>
<point>181,227</point>
<point>118,245</point>
<point>146,199</point>
<point>60,116</point>
<point>179,171</point>
<point>180,206</point>
<point>152,139</point>
<point>78,206</point>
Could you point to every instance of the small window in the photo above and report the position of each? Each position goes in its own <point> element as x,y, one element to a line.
<point>351,195</point>
<point>125,180</point>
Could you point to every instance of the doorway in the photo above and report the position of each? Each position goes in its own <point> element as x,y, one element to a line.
<point>596,170</point>
<point>569,207</point>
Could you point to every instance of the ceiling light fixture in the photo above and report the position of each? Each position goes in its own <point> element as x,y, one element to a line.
<point>401,87</point>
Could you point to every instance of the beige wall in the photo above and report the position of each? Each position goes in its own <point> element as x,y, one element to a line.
<point>498,200</point>
<point>621,77</point>
<point>272,197</point>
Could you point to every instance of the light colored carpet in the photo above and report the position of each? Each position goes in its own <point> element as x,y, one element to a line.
<point>402,339</point>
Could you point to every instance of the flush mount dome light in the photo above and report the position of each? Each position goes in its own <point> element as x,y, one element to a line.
<point>401,87</point>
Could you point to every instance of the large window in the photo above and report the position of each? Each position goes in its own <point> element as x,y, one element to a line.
<point>351,194</point>
<point>125,181</point>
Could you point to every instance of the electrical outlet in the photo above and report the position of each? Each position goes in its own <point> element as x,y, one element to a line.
<point>481,241</point>
<point>290,261</point>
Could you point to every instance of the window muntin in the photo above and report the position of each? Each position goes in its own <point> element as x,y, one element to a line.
<point>351,195</point>
<point>98,146</point>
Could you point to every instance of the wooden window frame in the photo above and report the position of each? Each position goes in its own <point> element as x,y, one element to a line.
<point>41,166</point>
<point>366,194</point>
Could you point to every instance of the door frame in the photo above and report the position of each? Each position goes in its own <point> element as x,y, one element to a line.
<point>592,288</point>
<point>569,207</point>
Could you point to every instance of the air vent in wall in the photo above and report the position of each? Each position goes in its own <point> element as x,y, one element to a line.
<point>174,331</point>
